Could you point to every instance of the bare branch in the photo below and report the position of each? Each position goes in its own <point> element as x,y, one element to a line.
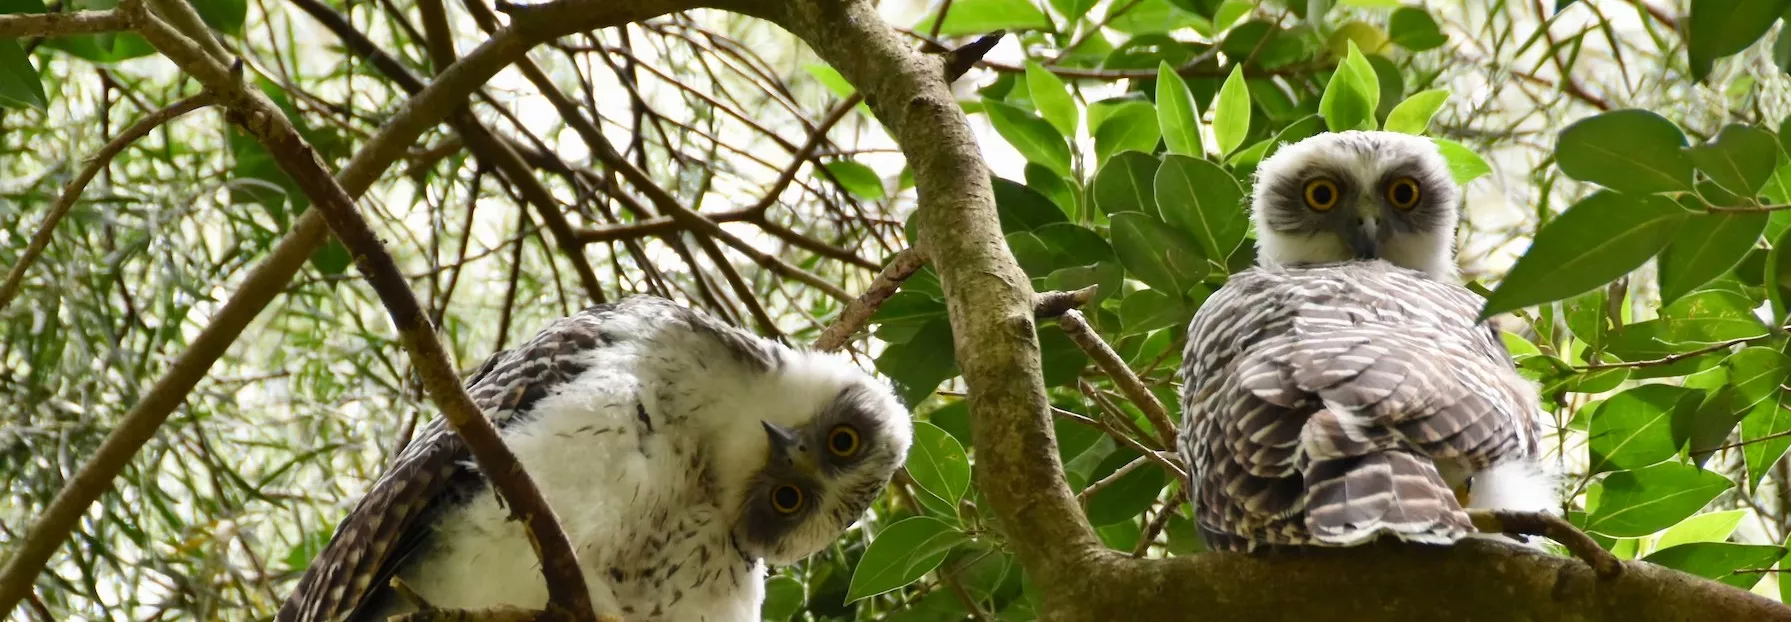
<point>858,312</point>
<point>23,25</point>
<point>1104,357</point>
<point>1552,527</point>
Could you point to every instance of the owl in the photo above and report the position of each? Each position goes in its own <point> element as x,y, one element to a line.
<point>680,455</point>
<point>1344,389</point>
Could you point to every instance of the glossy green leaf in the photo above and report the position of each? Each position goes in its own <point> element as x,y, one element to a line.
<point>1203,200</point>
<point>1035,139</point>
<point>1766,430</point>
<point>1297,131</point>
<point>901,554</point>
<point>1052,98</point>
<point>1162,257</point>
<point>1720,561</point>
<point>1413,115</point>
<point>784,598</point>
<point>1177,116</point>
<point>1711,527</point>
<point>1757,373</point>
<point>1129,127</point>
<point>1705,428</point>
<point>1640,502</point>
<point>1231,117</point>
<point>1629,150</point>
<point>1692,323</point>
<point>1706,246</point>
<point>226,16</point>
<point>1129,495</point>
<point>1023,209</point>
<point>1740,160</point>
<point>1352,95</point>
<point>980,17</point>
<point>906,306</point>
<point>920,364</point>
<point>1062,360</point>
<point>830,78</point>
<point>937,463</point>
<point>1634,429</point>
<point>857,179</point>
<point>1718,28</point>
<point>1146,17</point>
<point>1602,237</point>
<point>1464,164</point>
<point>20,85</point>
<point>1146,310</point>
<point>1778,276</point>
<point>1127,183</point>
<point>1413,29</point>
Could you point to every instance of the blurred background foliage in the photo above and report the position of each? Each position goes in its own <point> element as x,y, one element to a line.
<point>1628,191</point>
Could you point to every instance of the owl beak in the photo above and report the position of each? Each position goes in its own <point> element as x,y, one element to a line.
<point>1364,238</point>
<point>787,446</point>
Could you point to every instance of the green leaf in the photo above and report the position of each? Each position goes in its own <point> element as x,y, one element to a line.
<point>1634,429</point>
<point>1740,160</point>
<point>1231,118</point>
<point>784,598</point>
<point>901,554</point>
<point>1073,10</point>
<point>1718,28</point>
<point>1602,237</point>
<point>1052,98</point>
<point>1706,246</point>
<point>830,78</point>
<point>225,15</point>
<point>1128,496</point>
<point>920,364</point>
<point>1163,258</point>
<point>1712,527</point>
<point>907,306</point>
<point>1177,115</point>
<point>1693,323</point>
<point>1767,431</point>
<point>1198,197</point>
<point>1062,359</point>
<point>1230,11</point>
<point>1640,502</point>
<point>1413,115</point>
<point>1146,310</point>
<point>1023,209</point>
<point>1464,164</point>
<point>1703,427</point>
<point>1127,184</point>
<point>1757,373</point>
<point>1720,561</point>
<point>1147,17</point>
<point>1352,95</point>
<point>1629,150</point>
<point>1031,136</point>
<point>857,179</point>
<point>1302,129</point>
<point>20,85</point>
<point>937,463</point>
<point>980,17</point>
<point>1778,276</point>
<point>1128,127</point>
<point>1413,29</point>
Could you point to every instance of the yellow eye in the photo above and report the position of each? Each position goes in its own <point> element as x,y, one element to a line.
<point>786,499</point>
<point>1321,194</point>
<point>842,441</point>
<point>1403,193</point>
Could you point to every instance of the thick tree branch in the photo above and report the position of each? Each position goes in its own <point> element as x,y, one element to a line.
<point>22,25</point>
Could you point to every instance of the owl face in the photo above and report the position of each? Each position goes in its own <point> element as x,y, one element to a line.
<point>1357,195</point>
<point>821,474</point>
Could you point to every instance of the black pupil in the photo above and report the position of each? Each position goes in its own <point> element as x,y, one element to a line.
<point>1403,193</point>
<point>1321,194</point>
<point>786,497</point>
<point>842,441</point>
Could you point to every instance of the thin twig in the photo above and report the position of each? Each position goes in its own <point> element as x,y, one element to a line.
<point>1104,357</point>
<point>1676,357</point>
<point>71,192</point>
<point>860,309</point>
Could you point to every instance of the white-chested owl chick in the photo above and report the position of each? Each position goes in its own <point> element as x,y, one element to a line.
<point>1357,195</point>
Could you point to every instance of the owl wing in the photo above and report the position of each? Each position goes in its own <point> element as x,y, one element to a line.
<point>1319,403</point>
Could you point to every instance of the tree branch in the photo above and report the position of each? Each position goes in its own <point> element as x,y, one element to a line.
<point>23,25</point>
<point>858,312</point>
<point>1104,357</point>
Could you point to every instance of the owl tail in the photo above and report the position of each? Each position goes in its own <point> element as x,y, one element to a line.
<point>1353,500</point>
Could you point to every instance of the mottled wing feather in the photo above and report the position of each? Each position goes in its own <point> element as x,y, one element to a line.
<point>1319,398</point>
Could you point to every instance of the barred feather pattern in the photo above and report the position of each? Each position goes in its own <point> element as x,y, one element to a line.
<point>1332,404</point>
<point>436,468</point>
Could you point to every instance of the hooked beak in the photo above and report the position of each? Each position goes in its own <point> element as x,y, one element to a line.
<point>1364,238</point>
<point>786,446</point>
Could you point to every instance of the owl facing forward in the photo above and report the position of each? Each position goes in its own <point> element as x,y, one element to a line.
<point>1345,389</point>
<point>678,453</point>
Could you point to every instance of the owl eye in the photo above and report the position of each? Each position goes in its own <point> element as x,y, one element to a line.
<point>786,499</point>
<point>1403,193</point>
<point>1321,194</point>
<point>842,441</point>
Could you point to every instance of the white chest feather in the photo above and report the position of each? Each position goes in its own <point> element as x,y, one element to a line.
<point>633,488</point>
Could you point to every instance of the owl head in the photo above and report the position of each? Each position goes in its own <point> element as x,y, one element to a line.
<point>1357,195</point>
<point>820,438</point>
